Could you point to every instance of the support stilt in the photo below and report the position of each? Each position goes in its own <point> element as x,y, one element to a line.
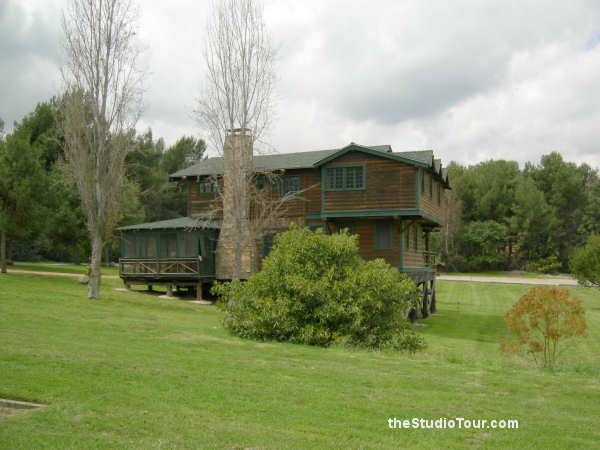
<point>425,304</point>
<point>433,306</point>
<point>199,292</point>
<point>170,290</point>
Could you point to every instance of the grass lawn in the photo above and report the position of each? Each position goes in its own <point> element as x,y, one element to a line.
<point>60,267</point>
<point>507,273</point>
<point>134,370</point>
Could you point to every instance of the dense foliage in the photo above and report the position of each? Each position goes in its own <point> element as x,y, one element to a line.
<point>585,262</point>
<point>540,320</point>
<point>314,289</point>
<point>534,217</point>
<point>40,210</point>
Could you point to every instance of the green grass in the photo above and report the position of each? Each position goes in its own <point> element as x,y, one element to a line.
<point>137,371</point>
<point>62,268</point>
<point>500,273</point>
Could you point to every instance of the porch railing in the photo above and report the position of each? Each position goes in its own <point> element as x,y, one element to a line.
<point>429,259</point>
<point>164,267</point>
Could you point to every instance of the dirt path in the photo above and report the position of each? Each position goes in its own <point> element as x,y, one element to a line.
<point>58,274</point>
<point>558,281</point>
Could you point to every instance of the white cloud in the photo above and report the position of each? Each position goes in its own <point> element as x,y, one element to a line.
<point>472,80</point>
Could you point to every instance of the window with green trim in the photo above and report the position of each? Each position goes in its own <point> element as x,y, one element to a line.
<point>316,226</point>
<point>430,186</point>
<point>291,184</point>
<point>382,235</point>
<point>339,226</point>
<point>268,242</point>
<point>416,238</point>
<point>439,193</point>
<point>267,183</point>
<point>206,186</point>
<point>168,245</point>
<point>344,178</point>
<point>187,244</point>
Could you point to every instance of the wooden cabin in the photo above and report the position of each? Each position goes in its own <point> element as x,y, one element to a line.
<point>391,200</point>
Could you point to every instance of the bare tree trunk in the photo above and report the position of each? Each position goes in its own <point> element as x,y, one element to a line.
<point>76,260</point>
<point>96,260</point>
<point>3,250</point>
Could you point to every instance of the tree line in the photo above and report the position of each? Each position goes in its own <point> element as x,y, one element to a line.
<point>501,216</point>
<point>40,208</point>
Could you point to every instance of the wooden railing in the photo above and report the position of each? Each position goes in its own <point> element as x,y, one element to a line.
<point>164,267</point>
<point>429,259</point>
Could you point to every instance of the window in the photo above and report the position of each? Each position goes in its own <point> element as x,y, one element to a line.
<point>344,178</point>
<point>268,242</point>
<point>339,226</point>
<point>168,245</point>
<point>291,184</point>
<point>267,183</point>
<point>416,238</point>
<point>149,245</point>
<point>408,237</point>
<point>129,245</point>
<point>382,235</point>
<point>187,244</point>
<point>206,186</point>
<point>439,193</point>
<point>430,186</point>
<point>316,226</point>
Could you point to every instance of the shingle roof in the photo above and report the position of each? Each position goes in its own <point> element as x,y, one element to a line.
<point>171,224</point>
<point>299,160</point>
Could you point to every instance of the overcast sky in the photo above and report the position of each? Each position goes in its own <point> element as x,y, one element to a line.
<point>471,80</point>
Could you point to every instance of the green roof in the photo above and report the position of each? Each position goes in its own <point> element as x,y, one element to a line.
<point>303,160</point>
<point>172,224</point>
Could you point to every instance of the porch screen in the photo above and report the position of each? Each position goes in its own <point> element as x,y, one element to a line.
<point>129,245</point>
<point>149,245</point>
<point>168,245</point>
<point>187,244</point>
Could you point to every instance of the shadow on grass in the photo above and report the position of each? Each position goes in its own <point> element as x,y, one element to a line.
<point>466,325</point>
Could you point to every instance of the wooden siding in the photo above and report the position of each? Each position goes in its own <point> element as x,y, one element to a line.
<point>430,205</point>
<point>410,257</point>
<point>388,185</point>
<point>364,228</point>
<point>199,204</point>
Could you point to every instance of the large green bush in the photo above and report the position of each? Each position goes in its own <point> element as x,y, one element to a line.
<point>315,289</point>
<point>585,262</point>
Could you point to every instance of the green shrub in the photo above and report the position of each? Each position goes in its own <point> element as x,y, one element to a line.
<point>315,289</point>
<point>551,264</point>
<point>585,262</point>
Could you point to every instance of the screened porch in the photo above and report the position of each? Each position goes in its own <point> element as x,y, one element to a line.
<point>180,249</point>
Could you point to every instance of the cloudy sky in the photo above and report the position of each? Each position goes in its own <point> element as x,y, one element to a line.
<point>472,80</point>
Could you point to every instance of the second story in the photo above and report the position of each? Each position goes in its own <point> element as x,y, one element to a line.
<point>353,181</point>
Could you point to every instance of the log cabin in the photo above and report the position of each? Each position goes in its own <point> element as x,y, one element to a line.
<point>391,200</point>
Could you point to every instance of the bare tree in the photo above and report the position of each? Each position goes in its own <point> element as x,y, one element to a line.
<point>237,100</point>
<point>102,105</point>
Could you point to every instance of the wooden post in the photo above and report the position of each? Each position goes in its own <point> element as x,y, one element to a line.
<point>425,306</point>
<point>127,286</point>
<point>199,291</point>
<point>150,287</point>
<point>432,307</point>
<point>170,290</point>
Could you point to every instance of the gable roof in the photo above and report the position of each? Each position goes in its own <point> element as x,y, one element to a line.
<point>303,160</point>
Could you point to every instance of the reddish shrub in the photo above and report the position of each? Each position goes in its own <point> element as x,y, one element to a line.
<point>540,319</point>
